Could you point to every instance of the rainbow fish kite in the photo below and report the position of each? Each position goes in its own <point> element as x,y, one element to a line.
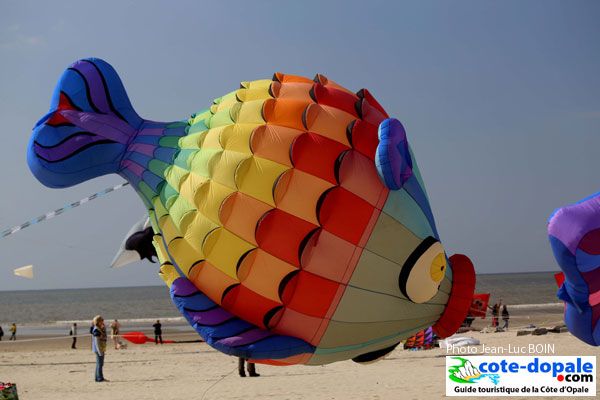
<point>289,218</point>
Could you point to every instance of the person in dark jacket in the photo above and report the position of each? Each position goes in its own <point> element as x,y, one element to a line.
<point>73,333</point>
<point>157,332</point>
<point>505,317</point>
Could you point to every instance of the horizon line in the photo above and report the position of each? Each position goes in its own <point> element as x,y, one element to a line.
<point>152,286</point>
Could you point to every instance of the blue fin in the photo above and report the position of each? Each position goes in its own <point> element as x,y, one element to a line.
<point>392,158</point>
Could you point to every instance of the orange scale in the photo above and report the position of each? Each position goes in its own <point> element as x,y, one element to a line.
<point>292,90</point>
<point>302,326</point>
<point>297,193</point>
<point>210,280</point>
<point>239,214</point>
<point>357,174</point>
<point>330,256</point>
<point>250,306</point>
<point>323,80</point>
<point>285,112</point>
<point>285,78</point>
<point>282,234</point>
<point>345,214</point>
<point>317,155</point>
<point>273,142</point>
<point>263,273</point>
<point>329,122</point>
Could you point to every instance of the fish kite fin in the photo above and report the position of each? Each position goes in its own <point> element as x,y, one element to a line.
<point>392,158</point>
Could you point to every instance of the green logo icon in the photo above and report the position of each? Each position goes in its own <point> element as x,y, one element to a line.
<point>467,373</point>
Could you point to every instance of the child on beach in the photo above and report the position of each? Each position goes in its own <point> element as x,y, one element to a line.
<point>115,328</point>
<point>99,346</point>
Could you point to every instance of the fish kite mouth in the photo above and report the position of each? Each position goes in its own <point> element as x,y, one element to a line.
<point>69,146</point>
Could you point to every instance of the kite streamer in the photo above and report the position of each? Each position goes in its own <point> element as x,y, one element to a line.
<point>57,212</point>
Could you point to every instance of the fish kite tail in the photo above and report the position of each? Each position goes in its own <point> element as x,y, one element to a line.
<point>93,130</point>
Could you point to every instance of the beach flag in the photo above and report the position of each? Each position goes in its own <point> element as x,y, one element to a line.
<point>479,305</point>
<point>25,272</point>
<point>559,277</point>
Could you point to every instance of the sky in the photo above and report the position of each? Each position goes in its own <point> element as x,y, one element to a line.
<point>500,100</point>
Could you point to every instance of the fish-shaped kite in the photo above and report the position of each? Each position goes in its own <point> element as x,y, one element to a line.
<point>289,218</point>
<point>574,233</point>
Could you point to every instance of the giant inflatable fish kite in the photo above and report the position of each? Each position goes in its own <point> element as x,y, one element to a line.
<point>574,233</point>
<point>289,218</point>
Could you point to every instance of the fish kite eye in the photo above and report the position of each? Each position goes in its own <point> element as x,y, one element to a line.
<point>423,271</point>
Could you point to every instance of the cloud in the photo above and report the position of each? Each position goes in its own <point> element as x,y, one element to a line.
<point>13,37</point>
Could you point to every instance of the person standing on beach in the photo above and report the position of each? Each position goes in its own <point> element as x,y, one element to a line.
<point>115,328</point>
<point>13,330</point>
<point>99,346</point>
<point>157,332</point>
<point>251,367</point>
<point>495,314</point>
<point>1,333</point>
<point>505,317</point>
<point>73,332</point>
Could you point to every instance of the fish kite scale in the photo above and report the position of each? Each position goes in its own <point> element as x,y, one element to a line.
<point>290,218</point>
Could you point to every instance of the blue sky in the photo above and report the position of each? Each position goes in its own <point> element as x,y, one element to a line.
<point>501,102</point>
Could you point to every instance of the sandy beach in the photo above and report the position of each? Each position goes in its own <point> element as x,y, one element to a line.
<point>48,369</point>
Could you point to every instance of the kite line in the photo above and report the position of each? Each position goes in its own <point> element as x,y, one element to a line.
<point>52,214</point>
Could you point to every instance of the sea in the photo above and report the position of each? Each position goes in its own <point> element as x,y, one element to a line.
<point>141,305</point>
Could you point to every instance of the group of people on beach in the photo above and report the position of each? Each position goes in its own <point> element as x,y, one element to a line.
<point>13,332</point>
<point>498,310</point>
<point>100,339</point>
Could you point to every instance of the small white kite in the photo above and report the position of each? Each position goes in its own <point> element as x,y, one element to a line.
<point>25,272</point>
